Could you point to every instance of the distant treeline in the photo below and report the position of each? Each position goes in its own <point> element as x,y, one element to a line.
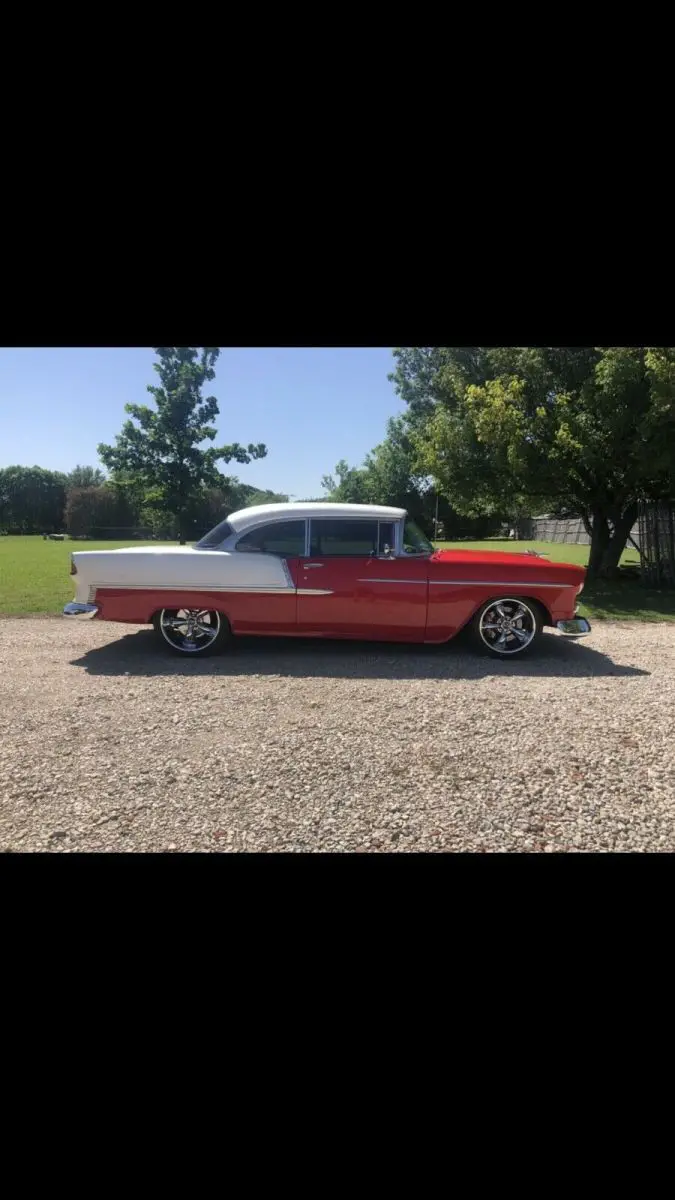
<point>84,503</point>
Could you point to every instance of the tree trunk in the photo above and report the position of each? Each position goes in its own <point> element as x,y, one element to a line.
<point>608,540</point>
<point>587,519</point>
<point>600,537</point>
<point>622,525</point>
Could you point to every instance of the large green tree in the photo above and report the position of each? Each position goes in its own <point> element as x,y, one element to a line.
<point>390,475</point>
<point>386,476</point>
<point>86,477</point>
<point>162,448</point>
<point>390,469</point>
<point>230,496</point>
<point>347,486</point>
<point>32,500</point>
<point>98,512</point>
<point>213,504</point>
<point>583,430</point>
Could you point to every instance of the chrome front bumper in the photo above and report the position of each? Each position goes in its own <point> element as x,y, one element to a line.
<point>576,628</point>
<point>80,610</point>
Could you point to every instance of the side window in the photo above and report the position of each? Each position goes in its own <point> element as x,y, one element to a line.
<point>215,536</point>
<point>414,541</point>
<point>335,537</point>
<point>387,541</point>
<point>286,538</point>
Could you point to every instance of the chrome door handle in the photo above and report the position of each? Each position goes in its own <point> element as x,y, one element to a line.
<point>308,566</point>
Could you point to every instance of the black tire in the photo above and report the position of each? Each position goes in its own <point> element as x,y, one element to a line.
<point>188,635</point>
<point>507,626</point>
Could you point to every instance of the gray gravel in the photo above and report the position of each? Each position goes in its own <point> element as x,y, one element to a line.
<point>108,743</point>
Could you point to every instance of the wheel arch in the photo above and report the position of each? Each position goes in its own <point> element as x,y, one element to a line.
<point>219,631</point>
<point>158,609</point>
<point>543,608</point>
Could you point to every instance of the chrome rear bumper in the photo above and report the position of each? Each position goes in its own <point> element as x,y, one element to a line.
<point>576,628</point>
<point>80,610</point>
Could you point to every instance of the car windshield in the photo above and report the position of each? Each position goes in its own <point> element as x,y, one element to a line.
<point>215,537</point>
<point>414,541</point>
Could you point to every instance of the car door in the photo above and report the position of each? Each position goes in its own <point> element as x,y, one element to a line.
<point>266,601</point>
<point>350,586</point>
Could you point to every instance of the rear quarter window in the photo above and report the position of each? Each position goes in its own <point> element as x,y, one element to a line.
<point>286,538</point>
<point>215,537</point>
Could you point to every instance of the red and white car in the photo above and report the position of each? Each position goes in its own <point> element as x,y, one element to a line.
<point>331,571</point>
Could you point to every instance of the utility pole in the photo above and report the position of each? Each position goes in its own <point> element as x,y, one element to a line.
<point>436,519</point>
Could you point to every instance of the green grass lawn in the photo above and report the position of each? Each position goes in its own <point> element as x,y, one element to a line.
<point>35,577</point>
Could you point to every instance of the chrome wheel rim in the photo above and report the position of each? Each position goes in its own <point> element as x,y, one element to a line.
<point>507,626</point>
<point>189,630</point>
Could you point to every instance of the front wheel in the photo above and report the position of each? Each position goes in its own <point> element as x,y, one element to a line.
<point>507,626</point>
<point>192,630</point>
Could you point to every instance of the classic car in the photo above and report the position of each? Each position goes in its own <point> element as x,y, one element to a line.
<point>331,571</point>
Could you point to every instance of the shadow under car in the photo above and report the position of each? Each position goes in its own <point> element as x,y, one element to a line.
<point>140,654</point>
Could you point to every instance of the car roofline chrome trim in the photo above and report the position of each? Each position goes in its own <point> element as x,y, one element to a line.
<point>230,544</point>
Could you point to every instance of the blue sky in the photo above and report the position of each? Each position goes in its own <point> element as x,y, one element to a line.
<point>311,407</point>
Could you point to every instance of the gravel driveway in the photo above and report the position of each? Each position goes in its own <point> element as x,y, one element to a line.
<point>106,743</point>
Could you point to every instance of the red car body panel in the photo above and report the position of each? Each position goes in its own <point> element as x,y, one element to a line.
<point>397,599</point>
<point>460,581</point>
<point>247,612</point>
<point>370,598</point>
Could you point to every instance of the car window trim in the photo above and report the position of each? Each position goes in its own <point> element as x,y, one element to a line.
<point>226,537</point>
<point>397,523</point>
<point>280,520</point>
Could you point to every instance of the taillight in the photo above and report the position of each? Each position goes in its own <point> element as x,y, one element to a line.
<point>73,568</point>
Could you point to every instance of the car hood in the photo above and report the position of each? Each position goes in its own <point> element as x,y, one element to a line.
<point>544,568</point>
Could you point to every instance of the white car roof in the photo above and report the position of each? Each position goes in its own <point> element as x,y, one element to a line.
<point>252,516</point>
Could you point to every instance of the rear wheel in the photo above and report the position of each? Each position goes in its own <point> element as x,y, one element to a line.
<point>507,626</point>
<point>192,630</point>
